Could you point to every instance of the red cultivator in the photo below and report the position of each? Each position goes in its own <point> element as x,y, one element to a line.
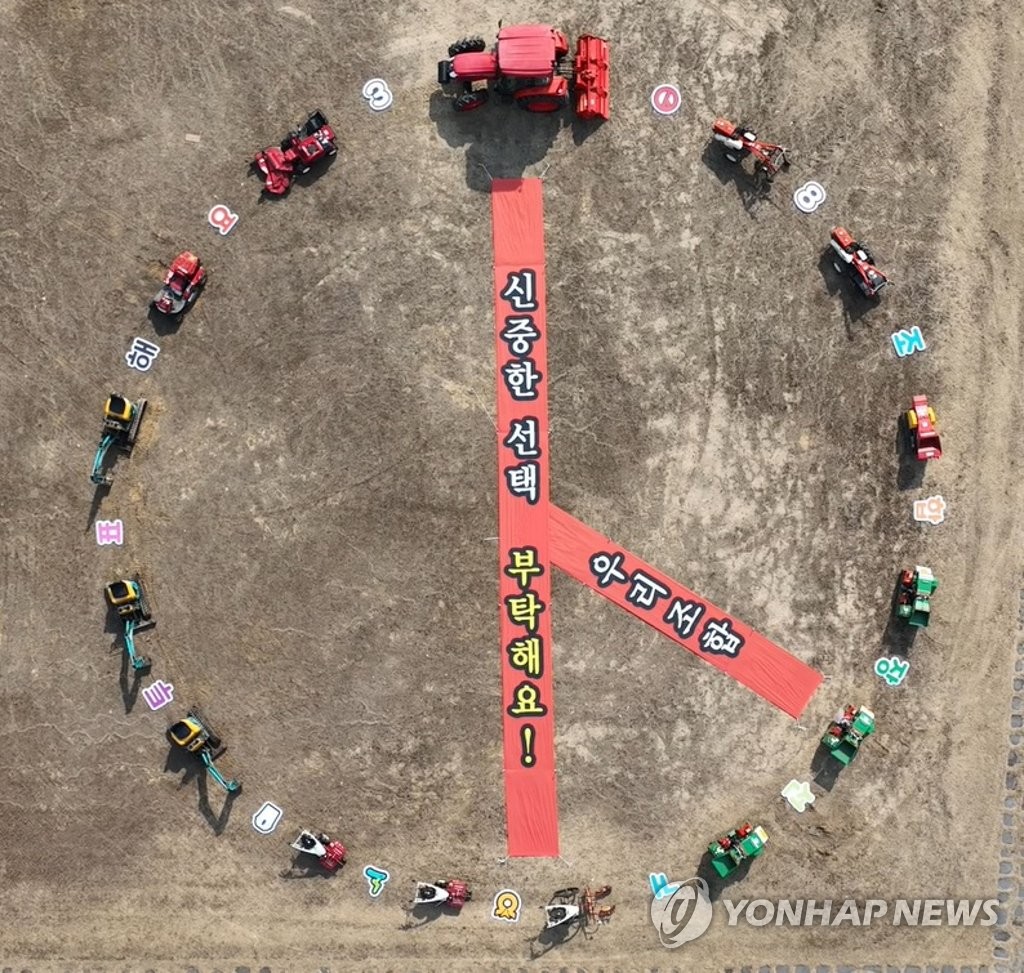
<point>453,893</point>
<point>856,262</point>
<point>328,852</point>
<point>741,140</point>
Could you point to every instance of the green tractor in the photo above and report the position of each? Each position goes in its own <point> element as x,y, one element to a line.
<point>730,851</point>
<point>913,602</point>
<point>847,732</point>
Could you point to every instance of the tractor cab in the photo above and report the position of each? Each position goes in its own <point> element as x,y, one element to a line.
<point>129,598</point>
<point>311,142</point>
<point>309,150</point>
<point>189,734</point>
<point>117,409</point>
<point>530,51</point>
<point>183,270</point>
<point>120,592</point>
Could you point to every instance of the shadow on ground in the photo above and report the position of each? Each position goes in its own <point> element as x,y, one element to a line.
<point>164,324</point>
<point>910,475</point>
<point>549,939</point>
<point>855,305</point>
<point>129,679</point>
<point>301,867</point>
<point>825,769</point>
<point>502,139</point>
<point>716,884</point>
<point>99,494</point>
<point>898,636</point>
<point>425,913</point>
<point>752,191</point>
<point>178,761</point>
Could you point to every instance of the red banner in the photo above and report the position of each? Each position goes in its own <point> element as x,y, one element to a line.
<point>531,803</point>
<point>693,622</point>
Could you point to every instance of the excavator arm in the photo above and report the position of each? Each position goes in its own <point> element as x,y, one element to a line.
<point>98,476</point>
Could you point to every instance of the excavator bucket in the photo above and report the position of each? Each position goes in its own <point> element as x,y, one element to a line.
<point>592,76</point>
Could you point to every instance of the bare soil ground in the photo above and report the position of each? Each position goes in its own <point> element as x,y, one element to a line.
<point>313,500</point>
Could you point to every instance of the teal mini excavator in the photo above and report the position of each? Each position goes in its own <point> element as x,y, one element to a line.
<point>121,421</point>
<point>128,599</point>
<point>195,735</point>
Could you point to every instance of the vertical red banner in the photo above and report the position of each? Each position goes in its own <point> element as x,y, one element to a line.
<point>531,802</point>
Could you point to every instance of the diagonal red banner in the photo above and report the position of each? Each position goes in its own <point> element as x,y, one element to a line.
<point>708,632</point>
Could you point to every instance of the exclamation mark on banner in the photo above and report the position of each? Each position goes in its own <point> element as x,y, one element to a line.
<point>526,758</point>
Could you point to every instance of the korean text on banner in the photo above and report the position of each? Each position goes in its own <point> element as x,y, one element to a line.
<point>531,803</point>
<point>686,618</point>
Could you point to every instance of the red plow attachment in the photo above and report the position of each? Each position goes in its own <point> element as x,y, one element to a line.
<point>592,77</point>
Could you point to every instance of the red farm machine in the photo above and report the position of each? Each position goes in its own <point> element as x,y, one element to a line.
<point>531,66</point>
<point>855,260</point>
<point>300,150</point>
<point>923,431</point>
<point>739,141</point>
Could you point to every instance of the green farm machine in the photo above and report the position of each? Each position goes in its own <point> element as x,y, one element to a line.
<point>847,732</point>
<point>742,844</point>
<point>913,601</point>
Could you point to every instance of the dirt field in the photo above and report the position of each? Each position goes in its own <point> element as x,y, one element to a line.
<point>313,506</point>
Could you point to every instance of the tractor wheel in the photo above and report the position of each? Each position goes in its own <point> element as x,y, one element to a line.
<point>541,103</point>
<point>470,101</point>
<point>468,45</point>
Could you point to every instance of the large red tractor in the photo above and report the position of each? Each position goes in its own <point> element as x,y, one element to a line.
<point>531,66</point>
